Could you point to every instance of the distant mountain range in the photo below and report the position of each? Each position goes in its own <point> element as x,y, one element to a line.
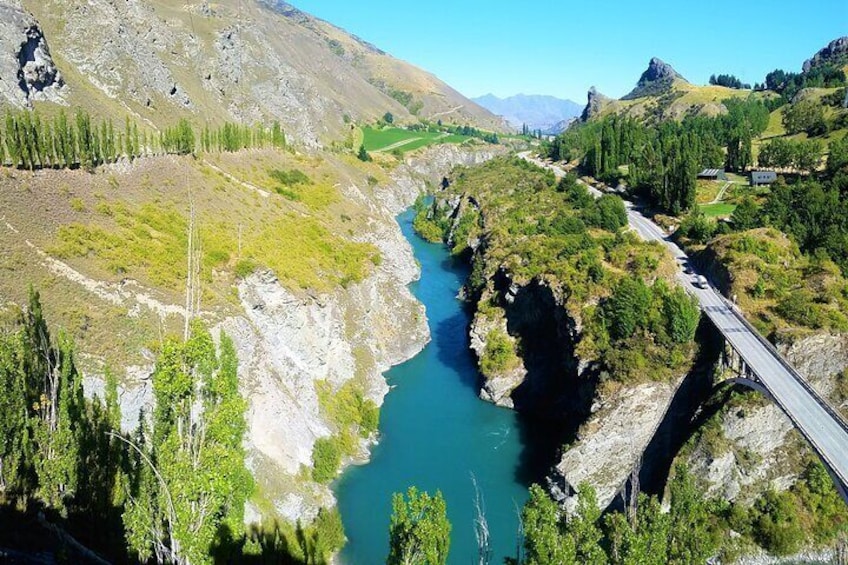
<point>547,113</point>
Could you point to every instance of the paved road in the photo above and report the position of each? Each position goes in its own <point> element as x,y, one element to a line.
<point>826,431</point>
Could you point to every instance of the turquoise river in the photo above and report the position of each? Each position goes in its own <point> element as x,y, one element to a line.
<point>435,433</point>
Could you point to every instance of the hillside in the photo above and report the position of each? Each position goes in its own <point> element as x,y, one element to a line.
<point>252,62</point>
<point>162,161</point>
<point>538,112</point>
<point>663,94</point>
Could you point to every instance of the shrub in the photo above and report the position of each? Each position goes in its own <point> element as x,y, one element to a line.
<point>627,308</point>
<point>608,213</point>
<point>326,458</point>
<point>776,523</point>
<point>291,177</point>
<point>498,355</point>
<point>245,268</point>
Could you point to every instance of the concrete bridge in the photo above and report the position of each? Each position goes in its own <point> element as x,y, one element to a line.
<point>760,365</point>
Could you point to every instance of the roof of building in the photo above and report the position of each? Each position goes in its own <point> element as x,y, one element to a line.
<point>710,173</point>
<point>764,174</point>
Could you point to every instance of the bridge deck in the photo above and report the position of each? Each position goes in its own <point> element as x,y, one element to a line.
<point>815,419</point>
<point>820,424</point>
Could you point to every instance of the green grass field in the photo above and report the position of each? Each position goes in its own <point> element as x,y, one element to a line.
<point>719,210</point>
<point>404,140</point>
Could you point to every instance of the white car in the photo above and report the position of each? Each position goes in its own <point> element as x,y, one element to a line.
<point>701,281</point>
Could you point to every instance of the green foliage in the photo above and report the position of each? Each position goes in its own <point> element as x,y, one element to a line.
<point>498,355</point>
<point>800,154</point>
<point>663,160</point>
<point>729,81</point>
<point>292,177</point>
<point>642,540</point>
<point>419,532</point>
<point>805,116</point>
<point>428,223</point>
<point>363,155</point>
<point>690,539</point>
<point>348,408</point>
<point>697,227</point>
<point>244,268</point>
<point>837,160</point>
<point>33,142</point>
<point>627,308</point>
<point>746,215</point>
<point>56,454</point>
<point>200,482</point>
<point>326,459</point>
<point>608,213</point>
<point>278,541</point>
<point>685,535</point>
<point>544,539</point>
<point>814,214</point>
<point>682,316</point>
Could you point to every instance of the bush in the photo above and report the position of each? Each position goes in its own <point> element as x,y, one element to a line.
<point>608,213</point>
<point>697,227</point>
<point>326,459</point>
<point>292,177</point>
<point>627,308</point>
<point>776,523</point>
<point>798,307</point>
<point>682,315</point>
<point>498,355</point>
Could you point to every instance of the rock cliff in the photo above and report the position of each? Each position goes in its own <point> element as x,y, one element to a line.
<point>656,79</point>
<point>750,445</point>
<point>27,70</point>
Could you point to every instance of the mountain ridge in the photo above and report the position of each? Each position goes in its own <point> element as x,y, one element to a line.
<point>538,111</point>
<point>249,62</point>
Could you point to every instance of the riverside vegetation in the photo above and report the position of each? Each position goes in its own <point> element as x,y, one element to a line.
<point>524,222</point>
<point>172,491</point>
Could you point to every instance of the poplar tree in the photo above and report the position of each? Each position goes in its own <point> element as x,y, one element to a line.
<point>419,532</point>
<point>189,477</point>
<point>13,139</point>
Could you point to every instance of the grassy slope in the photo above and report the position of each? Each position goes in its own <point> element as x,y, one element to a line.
<point>129,222</point>
<point>405,140</point>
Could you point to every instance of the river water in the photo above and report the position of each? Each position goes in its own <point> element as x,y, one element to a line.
<point>435,433</point>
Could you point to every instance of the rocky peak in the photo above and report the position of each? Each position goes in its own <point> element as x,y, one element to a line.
<point>658,70</point>
<point>835,53</point>
<point>594,103</point>
<point>27,71</point>
<point>656,79</point>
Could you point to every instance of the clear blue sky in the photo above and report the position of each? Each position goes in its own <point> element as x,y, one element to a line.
<point>564,47</point>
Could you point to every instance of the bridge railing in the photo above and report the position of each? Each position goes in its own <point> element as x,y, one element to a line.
<point>829,408</point>
<point>832,412</point>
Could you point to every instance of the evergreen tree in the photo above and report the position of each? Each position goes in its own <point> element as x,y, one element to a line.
<point>363,155</point>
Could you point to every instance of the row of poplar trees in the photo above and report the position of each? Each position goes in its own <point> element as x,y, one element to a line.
<point>175,488</point>
<point>664,160</point>
<point>30,141</point>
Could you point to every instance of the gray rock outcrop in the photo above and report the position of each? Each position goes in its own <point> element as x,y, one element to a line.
<point>656,80</point>
<point>836,53</point>
<point>27,71</point>
<point>757,445</point>
<point>594,104</point>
